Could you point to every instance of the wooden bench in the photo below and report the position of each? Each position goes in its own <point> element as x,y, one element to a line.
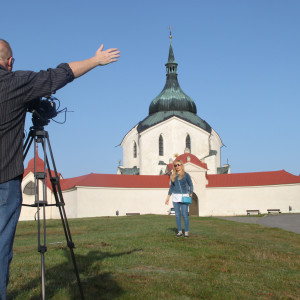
<point>254,211</point>
<point>275,210</point>
<point>132,214</point>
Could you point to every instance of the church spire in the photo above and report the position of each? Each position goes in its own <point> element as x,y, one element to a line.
<point>171,58</point>
<point>171,64</point>
<point>172,98</point>
<point>172,101</point>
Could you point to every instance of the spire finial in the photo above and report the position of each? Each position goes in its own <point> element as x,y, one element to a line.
<point>170,28</point>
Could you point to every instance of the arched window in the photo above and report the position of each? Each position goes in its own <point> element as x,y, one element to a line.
<point>188,143</point>
<point>134,150</point>
<point>29,188</point>
<point>161,146</point>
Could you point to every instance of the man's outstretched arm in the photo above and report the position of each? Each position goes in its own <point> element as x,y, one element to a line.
<point>100,58</point>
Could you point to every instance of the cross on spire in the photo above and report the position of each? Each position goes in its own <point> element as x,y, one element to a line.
<point>170,28</point>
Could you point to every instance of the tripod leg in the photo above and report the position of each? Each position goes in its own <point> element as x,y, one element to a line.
<point>27,145</point>
<point>61,206</point>
<point>41,204</point>
<point>42,248</point>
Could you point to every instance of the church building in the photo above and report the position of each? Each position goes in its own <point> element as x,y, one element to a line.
<point>172,127</point>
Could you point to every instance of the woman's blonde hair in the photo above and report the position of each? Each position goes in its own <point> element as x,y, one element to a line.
<point>175,173</point>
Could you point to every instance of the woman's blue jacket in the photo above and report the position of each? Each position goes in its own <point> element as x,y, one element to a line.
<point>185,183</point>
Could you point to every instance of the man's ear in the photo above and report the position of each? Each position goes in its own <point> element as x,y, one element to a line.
<point>9,64</point>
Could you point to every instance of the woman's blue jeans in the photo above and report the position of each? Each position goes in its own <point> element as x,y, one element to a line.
<point>10,208</point>
<point>181,209</point>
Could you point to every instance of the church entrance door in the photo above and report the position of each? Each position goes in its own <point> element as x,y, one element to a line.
<point>193,209</point>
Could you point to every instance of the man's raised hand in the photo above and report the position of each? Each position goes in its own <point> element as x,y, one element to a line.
<point>107,56</point>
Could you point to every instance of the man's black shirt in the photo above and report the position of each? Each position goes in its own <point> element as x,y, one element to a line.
<point>17,89</point>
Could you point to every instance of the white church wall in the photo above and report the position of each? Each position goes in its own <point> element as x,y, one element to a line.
<point>211,162</point>
<point>214,160</point>
<point>216,144</point>
<point>174,132</point>
<point>230,201</point>
<point>129,160</point>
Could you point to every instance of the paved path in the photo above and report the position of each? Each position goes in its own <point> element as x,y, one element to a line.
<point>289,222</point>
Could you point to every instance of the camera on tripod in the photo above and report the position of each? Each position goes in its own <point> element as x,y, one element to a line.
<point>43,109</point>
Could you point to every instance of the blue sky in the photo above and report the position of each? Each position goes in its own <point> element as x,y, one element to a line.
<point>238,60</point>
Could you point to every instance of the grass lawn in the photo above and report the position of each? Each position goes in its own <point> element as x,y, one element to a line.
<point>139,257</point>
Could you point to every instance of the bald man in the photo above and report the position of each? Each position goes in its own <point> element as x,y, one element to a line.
<point>17,90</point>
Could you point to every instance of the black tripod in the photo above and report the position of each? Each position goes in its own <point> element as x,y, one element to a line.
<point>39,135</point>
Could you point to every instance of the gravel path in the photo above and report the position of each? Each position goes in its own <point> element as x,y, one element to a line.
<point>289,222</point>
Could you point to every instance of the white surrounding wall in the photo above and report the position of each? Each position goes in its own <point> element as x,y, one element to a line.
<point>230,201</point>
<point>71,203</point>
<point>97,202</point>
<point>222,201</point>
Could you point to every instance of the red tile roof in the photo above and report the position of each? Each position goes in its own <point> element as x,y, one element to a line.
<point>39,168</point>
<point>251,179</point>
<point>162,181</point>
<point>193,159</point>
<point>39,165</point>
<point>113,180</point>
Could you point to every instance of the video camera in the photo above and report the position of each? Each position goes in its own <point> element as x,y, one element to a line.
<point>43,110</point>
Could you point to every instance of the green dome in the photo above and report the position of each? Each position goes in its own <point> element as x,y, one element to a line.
<point>161,116</point>
<point>172,102</point>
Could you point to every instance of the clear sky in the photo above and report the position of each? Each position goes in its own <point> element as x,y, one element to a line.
<point>238,60</point>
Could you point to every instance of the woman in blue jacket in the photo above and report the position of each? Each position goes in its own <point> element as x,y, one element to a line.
<point>181,185</point>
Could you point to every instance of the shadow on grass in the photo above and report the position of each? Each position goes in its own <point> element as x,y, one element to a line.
<point>173,229</point>
<point>61,282</point>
